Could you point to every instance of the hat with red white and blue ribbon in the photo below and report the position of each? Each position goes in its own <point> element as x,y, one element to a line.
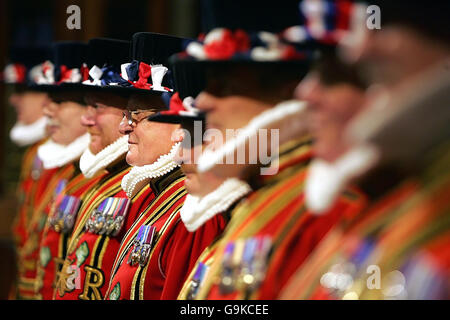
<point>65,70</point>
<point>25,64</point>
<point>144,71</point>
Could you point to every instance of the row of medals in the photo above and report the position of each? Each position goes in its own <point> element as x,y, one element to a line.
<point>243,267</point>
<point>142,246</point>
<point>104,221</point>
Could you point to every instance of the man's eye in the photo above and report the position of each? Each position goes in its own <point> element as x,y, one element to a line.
<point>142,118</point>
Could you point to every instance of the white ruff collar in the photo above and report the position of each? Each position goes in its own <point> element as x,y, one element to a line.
<point>326,180</point>
<point>196,211</point>
<point>90,163</point>
<point>55,155</point>
<point>283,110</point>
<point>25,135</point>
<point>164,164</point>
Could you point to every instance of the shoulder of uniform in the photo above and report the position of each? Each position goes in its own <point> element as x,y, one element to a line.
<point>158,185</point>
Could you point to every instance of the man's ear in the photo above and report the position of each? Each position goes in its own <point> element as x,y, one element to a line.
<point>178,134</point>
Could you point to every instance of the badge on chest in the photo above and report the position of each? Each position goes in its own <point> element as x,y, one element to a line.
<point>142,246</point>
<point>36,168</point>
<point>63,217</point>
<point>109,217</point>
<point>197,280</point>
<point>244,264</point>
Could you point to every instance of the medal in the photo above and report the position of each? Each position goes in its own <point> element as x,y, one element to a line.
<point>227,280</point>
<point>244,264</point>
<point>100,218</point>
<point>142,246</point>
<point>90,224</point>
<point>109,217</point>
<point>340,277</point>
<point>36,168</point>
<point>197,280</point>
<point>133,256</point>
<point>147,241</point>
<point>115,217</point>
<point>246,277</point>
<point>58,200</point>
<point>56,215</point>
<point>259,263</point>
<point>69,213</point>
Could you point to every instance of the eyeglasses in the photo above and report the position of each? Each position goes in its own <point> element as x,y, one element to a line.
<point>137,116</point>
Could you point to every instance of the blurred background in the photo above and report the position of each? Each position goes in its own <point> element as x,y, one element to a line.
<point>31,22</point>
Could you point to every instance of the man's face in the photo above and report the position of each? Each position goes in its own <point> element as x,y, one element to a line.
<point>65,121</point>
<point>186,157</point>
<point>230,112</point>
<point>383,55</point>
<point>391,55</point>
<point>196,183</point>
<point>29,105</point>
<point>332,108</point>
<point>232,98</point>
<point>147,140</point>
<point>102,122</point>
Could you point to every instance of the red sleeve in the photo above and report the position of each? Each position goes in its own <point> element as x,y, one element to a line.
<point>299,244</point>
<point>182,251</point>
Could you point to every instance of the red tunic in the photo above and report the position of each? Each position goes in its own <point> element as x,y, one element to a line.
<point>173,253</point>
<point>263,220</point>
<point>87,268</point>
<point>405,233</point>
<point>29,254</point>
<point>29,175</point>
<point>193,282</point>
<point>302,240</point>
<point>54,243</point>
<point>269,234</point>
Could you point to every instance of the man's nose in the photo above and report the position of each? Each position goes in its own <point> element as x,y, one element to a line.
<point>308,90</point>
<point>125,127</point>
<point>14,100</point>
<point>205,101</point>
<point>50,109</point>
<point>88,118</point>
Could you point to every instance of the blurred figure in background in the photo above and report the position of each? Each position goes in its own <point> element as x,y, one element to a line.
<point>250,89</point>
<point>67,141</point>
<point>27,102</point>
<point>30,125</point>
<point>398,248</point>
<point>30,128</point>
<point>206,210</point>
<point>408,122</point>
<point>335,93</point>
<point>29,131</point>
